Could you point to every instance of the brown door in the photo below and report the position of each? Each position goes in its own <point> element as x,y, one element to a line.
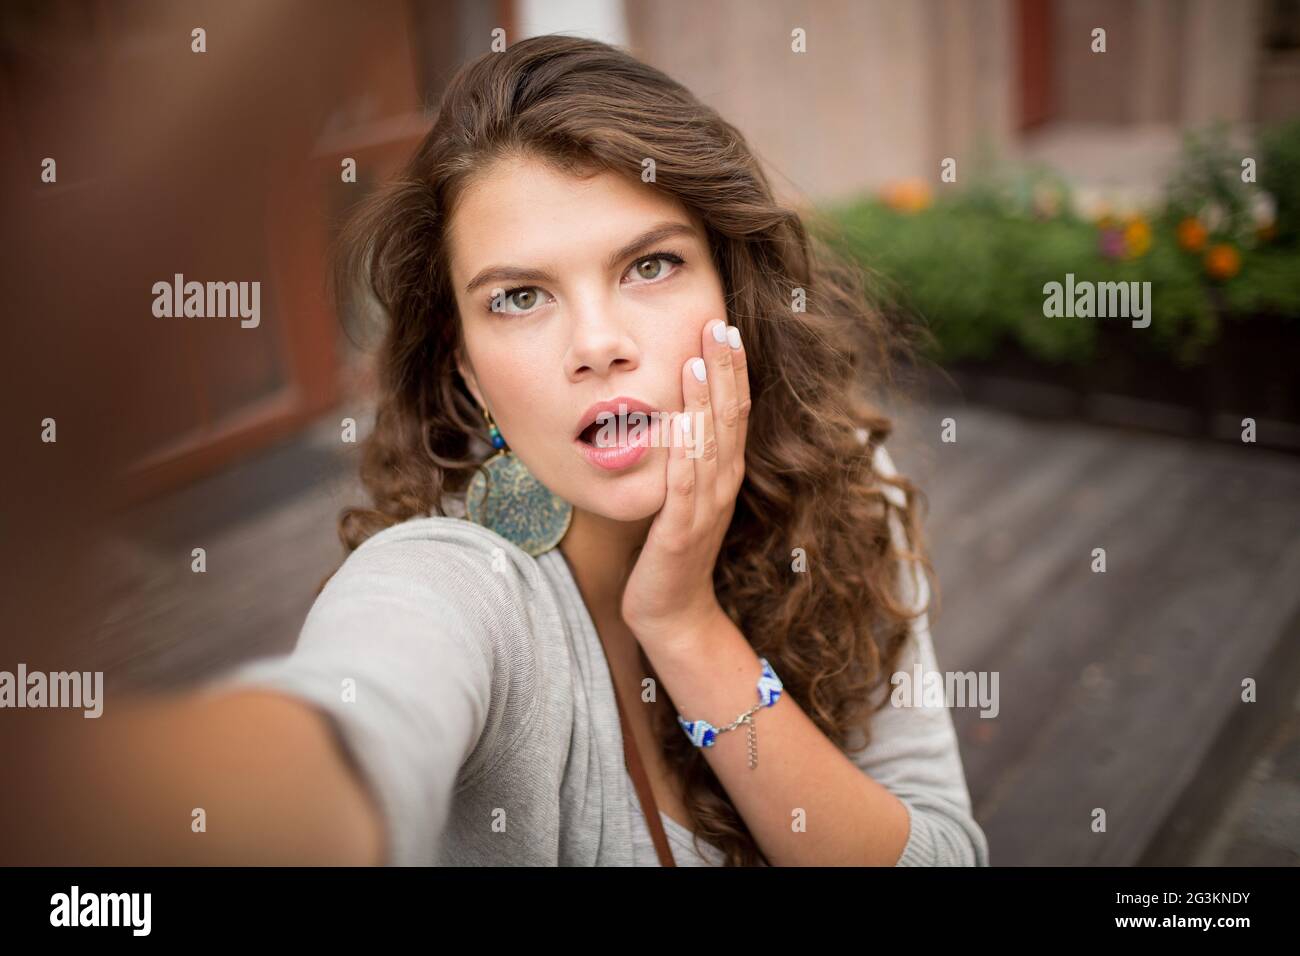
<point>221,166</point>
<point>1034,62</point>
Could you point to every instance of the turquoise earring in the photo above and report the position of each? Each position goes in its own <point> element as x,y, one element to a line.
<point>519,507</point>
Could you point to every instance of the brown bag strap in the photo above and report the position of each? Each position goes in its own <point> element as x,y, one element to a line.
<point>632,757</point>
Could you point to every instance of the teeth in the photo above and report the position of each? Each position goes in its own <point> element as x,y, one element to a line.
<point>613,424</point>
<point>606,434</point>
<point>603,432</point>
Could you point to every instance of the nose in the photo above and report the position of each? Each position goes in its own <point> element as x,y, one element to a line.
<point>600,343</point>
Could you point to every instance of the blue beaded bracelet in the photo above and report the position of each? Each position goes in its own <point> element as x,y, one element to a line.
<point>704,734</point>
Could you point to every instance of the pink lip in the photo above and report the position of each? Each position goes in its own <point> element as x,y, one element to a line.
<point>638,438</point>
<point>615,405</point>
<point>618,457</point>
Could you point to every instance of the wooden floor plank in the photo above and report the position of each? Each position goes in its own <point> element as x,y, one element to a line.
<point>1049,540</point>
<point>981,536</point>
<point>1210,606</point>
<point>1071,626</point>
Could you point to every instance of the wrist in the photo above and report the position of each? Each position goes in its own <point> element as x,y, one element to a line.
<point>687,633</point>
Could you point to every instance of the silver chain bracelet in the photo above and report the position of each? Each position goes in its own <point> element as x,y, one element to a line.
<point>704,734</point>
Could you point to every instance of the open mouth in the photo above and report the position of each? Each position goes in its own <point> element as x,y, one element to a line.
<point>616,443</point>
<point>616,431</point>
<point>621,422</point>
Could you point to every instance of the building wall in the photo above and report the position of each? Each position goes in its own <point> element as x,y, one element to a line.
<point>885,89</point>
<point>1183,62</point>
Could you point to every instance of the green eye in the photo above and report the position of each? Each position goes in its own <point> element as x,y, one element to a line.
<point>522,298</point>
<point>651,267</point>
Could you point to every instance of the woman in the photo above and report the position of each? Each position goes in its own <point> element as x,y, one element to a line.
<point>689,631</point>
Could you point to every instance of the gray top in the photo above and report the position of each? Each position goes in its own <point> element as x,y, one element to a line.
<point>469,685</point>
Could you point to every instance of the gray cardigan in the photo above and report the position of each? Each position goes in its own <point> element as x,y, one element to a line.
<point>468,683</point>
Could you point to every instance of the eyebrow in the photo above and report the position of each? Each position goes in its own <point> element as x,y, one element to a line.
<point>658,233</point>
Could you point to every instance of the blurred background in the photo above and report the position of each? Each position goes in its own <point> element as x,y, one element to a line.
<point>1120,689</point>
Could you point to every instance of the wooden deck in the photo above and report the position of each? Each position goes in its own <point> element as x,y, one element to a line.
<point>1118,690</point>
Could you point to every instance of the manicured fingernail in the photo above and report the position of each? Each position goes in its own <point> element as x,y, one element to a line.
<point>686,423</point>
<point>733,336</point>
<point>719,331</point>
<point>697,368</point>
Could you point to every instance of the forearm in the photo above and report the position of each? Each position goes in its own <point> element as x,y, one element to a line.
<point>801,776</point>
<point>261,772</point>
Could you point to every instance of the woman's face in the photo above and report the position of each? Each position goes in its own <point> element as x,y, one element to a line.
<point>589,307</point>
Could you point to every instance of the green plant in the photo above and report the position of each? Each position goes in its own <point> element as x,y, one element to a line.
<point>1279,175</point>
<point>974,264</point>
<point>1207,186</point>
<point>977,278</point>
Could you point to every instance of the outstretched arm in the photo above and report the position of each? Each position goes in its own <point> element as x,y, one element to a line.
<point>264,773</point>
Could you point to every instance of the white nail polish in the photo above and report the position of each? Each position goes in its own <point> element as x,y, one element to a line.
<point>686,423</point>
<point>733,336</point>
<point>697,369</point>
<point>719,331</point>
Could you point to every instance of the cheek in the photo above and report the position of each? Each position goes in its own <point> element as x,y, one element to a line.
<point>529,410</point>
<point>688,337</point>
<point>516,401</point>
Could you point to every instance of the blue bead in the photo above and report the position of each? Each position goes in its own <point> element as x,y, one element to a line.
<point>769,685</point>
<point>701,732</point>
<point>498,442</point>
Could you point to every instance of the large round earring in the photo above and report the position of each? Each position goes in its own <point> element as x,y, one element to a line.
<point>519,507</point>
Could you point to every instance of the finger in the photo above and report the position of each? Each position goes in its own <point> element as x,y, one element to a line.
<point>703,447</point>
<point>740,369</point>
<point>718,356</point>
<point>678,513</point>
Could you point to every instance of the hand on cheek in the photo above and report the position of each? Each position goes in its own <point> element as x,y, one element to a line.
<point>670,590</point>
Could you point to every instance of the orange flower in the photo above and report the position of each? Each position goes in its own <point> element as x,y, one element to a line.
<point>1192,234</point>
<point>1137,238</point>
<point>907,195</point>
<point>1222,261</point>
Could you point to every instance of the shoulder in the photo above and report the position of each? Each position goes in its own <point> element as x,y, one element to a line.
<point>435,539</point>
<point>448,556</point>
<point>442,602</point>
<point>914,585</point>
<point>442,580</point>
<point>914,750</point>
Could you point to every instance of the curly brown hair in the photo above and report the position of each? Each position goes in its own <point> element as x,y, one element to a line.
<point>833,633</point>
